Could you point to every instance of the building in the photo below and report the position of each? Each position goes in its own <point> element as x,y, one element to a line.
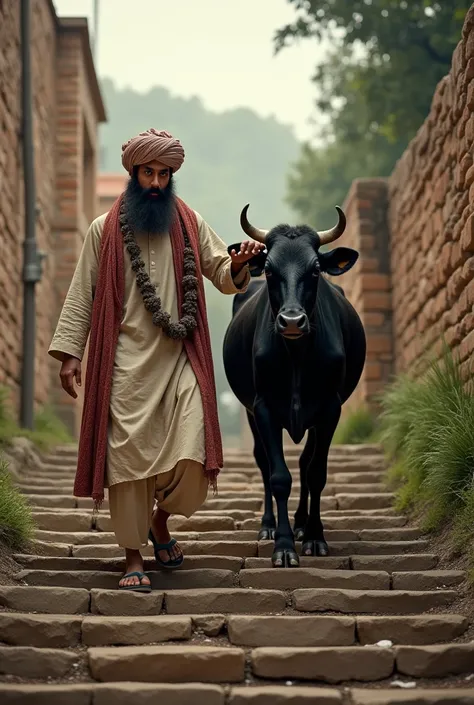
<point>67,108</point>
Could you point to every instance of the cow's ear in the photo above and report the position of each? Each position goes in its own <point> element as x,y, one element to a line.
<point>256,264</point>
<point>338,261</point>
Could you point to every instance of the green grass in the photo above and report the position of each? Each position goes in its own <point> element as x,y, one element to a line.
<point>16,523</point>
<point>427,430</point>
<point>357,427</point>
<point>49,429</point>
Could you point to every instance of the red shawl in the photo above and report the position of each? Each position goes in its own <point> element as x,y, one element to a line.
<point>105,328</point>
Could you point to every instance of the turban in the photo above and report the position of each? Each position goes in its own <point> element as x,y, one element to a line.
<point>152,145</point>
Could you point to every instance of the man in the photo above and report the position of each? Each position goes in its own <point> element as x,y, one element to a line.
<point>149,427</point>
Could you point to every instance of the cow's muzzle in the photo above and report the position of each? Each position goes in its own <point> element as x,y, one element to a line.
<point>292,324</point>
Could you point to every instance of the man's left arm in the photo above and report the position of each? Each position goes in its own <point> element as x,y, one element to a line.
<point>230,275</point>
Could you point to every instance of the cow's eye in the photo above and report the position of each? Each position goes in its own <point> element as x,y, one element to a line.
<point>315,273</point>
<point>268,273</point>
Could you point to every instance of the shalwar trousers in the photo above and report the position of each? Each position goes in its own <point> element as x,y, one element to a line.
<point>181,491</point>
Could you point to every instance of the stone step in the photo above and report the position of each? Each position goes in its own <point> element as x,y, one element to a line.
<point>387,512</point>
<point>418,696</point>
<point>323,664</point>
<point>436,660</point>
<point>118,564</point>
<point>269,578</point>
<point>60,558</point>
<point>209,694</point>
<point>236,600</point>
<point>421,629</point>
<point>371,663</point>
<point>433,580</point>
<point>409,562</point>
<point>349,548</point>
<point>174,664</point>
<point>68,631</point>
<point>46,600</point>
<point>368,477</point>
<point>119,694</point>
<point>364,501</point>
<point>32,662</point>
<point>344,522</point>
<point>56,521</point>
<point>254,504</point>
<point>388,602</point>
<point>183,663</point>
<point>251,631</point>
<point>262,549</point>
<point>107,580</point>
<point>135,631</point>
<point>257,578</point>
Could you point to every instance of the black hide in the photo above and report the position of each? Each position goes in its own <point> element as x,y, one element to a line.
<point>293,354</point>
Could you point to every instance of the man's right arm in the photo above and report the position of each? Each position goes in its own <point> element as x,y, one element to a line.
<point>70,337</point>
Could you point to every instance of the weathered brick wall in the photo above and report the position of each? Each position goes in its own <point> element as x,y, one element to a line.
<point>431,218</point>
<point>67,107</point>
<point>367,284</point>
<point>11,185</point>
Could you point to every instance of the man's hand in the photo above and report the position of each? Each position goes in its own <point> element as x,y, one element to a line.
<point>71,368</point>
<point>248,249</point>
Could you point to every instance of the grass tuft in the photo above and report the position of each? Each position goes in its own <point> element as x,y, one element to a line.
<point>427,430</point>
<point>355,428</point>
<point>16,522</point>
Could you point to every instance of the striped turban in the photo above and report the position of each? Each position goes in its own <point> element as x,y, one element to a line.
<point>152,145</point>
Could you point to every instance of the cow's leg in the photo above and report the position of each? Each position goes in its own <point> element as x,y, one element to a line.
<point>268,519</point>
<point>301,514</point>
<point>284,553</point>
<point>314,543</point>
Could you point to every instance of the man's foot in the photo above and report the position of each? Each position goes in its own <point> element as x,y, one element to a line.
<point>133,564</point>
<point>159,529</point>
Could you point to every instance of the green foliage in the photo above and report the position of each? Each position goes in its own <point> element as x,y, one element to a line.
<point>357,427</point>
<point>428,428</point>
<point>49,429</point>
<point>232,158</point>
<point>374,88</point>
<point>16,522</point>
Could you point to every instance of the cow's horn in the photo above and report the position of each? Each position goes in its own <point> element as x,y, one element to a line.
<point>250,230</point>
<point>326,236</point>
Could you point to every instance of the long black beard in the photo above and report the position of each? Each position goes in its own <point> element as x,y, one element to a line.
<point>146,213</point>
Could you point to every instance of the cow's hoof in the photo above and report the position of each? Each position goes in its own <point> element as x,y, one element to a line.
<point>299,533</point>
<point>266,535</point>
<point>285,559</point>
<point>315,548</point>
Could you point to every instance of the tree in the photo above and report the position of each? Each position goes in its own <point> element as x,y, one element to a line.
<point>374,87</point>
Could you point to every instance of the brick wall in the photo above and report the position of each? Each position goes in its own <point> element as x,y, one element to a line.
<point>431,197</point>
<point>11,184</point>
<point>67,108</point>
<point>414,283</point>
<point>367,284</point>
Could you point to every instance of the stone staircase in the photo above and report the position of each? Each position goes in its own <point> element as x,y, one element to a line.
<point>226,628</point>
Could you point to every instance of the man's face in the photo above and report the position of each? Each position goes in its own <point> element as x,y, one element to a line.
<point>153,175</point>
<point>150,198</point>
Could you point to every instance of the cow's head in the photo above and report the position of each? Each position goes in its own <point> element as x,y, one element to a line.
<point>293,263</point>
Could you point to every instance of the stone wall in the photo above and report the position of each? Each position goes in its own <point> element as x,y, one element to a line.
<point>11,183</point>
<point>367,284</point>
<point>414,283</point>
<point>431,217</point>
<point>67,107</point>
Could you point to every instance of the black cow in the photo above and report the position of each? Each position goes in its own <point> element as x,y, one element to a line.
<point>293,354</point>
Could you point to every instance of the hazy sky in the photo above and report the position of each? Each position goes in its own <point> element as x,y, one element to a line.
<point>218,50</point>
